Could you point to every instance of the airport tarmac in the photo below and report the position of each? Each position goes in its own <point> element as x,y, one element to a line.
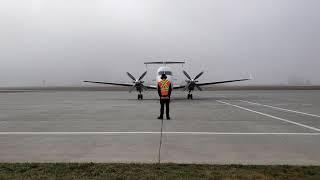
<point>219,127</point>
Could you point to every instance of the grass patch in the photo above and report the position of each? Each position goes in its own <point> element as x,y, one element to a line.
<point>153,171</point>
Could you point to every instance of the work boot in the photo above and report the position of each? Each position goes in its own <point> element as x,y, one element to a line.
<point>160,117</point>
<point>168,118</point>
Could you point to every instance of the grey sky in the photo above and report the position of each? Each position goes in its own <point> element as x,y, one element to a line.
<point>66,41</point>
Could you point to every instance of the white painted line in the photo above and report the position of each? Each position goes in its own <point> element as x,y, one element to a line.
<point>142,132</point>
<point>282,109</point>
<point>271,116</point>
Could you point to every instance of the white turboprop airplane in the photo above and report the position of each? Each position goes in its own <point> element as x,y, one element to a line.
<point>190,85</point>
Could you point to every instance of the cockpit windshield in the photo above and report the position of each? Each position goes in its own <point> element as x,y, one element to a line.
<point>165,72</point>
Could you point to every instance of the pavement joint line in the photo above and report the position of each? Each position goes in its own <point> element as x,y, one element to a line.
<point>282,109</point>
<point>142,132</point>
<point>271,116</point>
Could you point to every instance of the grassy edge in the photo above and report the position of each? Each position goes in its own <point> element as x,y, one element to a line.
<point>153,171</point>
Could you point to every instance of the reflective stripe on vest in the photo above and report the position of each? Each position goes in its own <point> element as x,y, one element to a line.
<point>164,87</point>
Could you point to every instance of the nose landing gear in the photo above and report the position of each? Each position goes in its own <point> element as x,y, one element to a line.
<point>190,96</point>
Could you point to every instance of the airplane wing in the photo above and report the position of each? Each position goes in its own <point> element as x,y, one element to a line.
<point>119,84</point>
<point>212,83</point>
<point>179,87</point>
<point>151,87</point>
<point>221,82</point>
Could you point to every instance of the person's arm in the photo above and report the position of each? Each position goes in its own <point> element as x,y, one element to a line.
<point>159,91</point>
<point>170,90</point>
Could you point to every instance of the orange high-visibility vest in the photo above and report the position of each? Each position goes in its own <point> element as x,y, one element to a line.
<point>164,87</point>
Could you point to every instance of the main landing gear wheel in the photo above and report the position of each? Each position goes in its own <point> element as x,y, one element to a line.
<point>190,96</point>
<point>140,96</point>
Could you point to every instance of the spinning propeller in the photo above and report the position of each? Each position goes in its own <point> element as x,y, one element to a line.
<point>137,83</point>
<point>192,82</point>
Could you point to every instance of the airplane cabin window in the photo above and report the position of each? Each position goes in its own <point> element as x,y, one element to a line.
<point>165,72</point>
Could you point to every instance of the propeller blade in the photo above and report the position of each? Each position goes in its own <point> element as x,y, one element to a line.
<point>200,74</point>
<point>142,76</point>
<point>199,88</point>
<point>132,77</point>
<point>186,74</point>
<point>132,88</point>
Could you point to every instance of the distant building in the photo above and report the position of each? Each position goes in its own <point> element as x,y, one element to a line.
<point>298,81</point>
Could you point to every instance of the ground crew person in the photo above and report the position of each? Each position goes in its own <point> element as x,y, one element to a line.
<point>164,91</point>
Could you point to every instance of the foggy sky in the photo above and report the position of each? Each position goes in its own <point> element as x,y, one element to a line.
<point>67,41</point>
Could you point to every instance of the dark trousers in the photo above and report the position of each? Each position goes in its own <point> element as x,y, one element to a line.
<point>162,103</point>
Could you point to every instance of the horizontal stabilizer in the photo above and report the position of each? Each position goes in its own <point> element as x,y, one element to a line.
<point>165,62</point>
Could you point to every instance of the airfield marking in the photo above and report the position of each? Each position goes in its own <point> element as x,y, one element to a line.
<point>271,116</point>
<point>282,109</point>
<point>142,132</point>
